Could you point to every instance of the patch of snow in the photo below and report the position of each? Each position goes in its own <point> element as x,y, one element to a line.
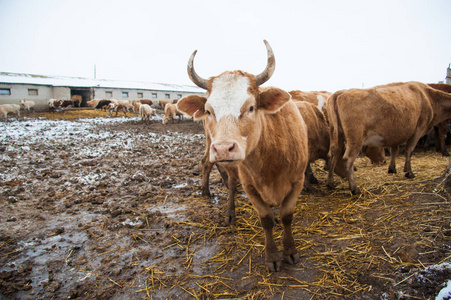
<point>445,293</point>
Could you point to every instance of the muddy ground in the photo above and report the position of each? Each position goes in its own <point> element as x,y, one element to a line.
<point>102,209</point>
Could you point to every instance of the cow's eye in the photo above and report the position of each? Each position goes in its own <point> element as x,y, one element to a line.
<point>208,112</point>
<point>251,109</point>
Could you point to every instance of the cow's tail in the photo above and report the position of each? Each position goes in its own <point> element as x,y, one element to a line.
<point>336,149</point>
<point>334,120</point>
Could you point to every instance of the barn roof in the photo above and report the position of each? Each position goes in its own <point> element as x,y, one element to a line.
<point>20,78</point>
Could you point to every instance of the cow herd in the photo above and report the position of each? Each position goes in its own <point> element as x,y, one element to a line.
<point>266,137</point>
<point>144,108</point>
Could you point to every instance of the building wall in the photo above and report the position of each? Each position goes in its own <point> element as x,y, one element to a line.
<point>62,93</point>
<point>132,94</point>
<point>21,91</point>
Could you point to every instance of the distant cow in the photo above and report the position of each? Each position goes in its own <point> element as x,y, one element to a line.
<point>28,105</point>
<point>103,104</point>
<point>146,112</point>
<point>76,100</point>
<point>163,103</point>
<point>62,104</point>
<point>170,112</point>
<point>6,109</point>
<point>126,104</point>
<point>264,136</point>
<point>113,107</point>
<point>383,116</point>
<point>93,102</point>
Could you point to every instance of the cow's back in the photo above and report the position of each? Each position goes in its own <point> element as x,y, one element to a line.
<point>382,116</point>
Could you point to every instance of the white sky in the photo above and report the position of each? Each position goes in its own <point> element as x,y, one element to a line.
<point>318,45</point>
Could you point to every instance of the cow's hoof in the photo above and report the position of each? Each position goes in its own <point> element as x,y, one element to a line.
<point>445,153</point>
<point>292,258</point>
<point>410,175</point>
<point>274,266</point>
<point>313,180</point>
<point>230,220</point>
<point>206,195</point>
<point>330,186</point>
<point>390,171</point>
<point>355,191</point>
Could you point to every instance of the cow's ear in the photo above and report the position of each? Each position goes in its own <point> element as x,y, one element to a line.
<point>273,99</point>
<point>192,105</point>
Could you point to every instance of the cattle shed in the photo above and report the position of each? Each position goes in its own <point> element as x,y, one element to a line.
<point>40,88</point>
<point>448,75</point>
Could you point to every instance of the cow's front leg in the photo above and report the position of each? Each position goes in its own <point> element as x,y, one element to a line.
<point>290,253</point>
<point>272,256</point>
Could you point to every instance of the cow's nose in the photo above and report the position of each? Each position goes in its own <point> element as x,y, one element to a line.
<point>224,151</point>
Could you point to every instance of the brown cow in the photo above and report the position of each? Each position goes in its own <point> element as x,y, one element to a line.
<point>146,101</point>
<point>264,136</point>
<point>318,140</point>
<point>113,107</point>
<point>163,103</point>
<point>383,116</point>
<point>441,129</point>
<point>93,102</point>
<point>76,99</point>
<point>317,98</point>
<point>170,112</point>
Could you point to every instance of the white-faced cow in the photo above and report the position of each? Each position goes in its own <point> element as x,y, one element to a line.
<point>383,116</point>
<point>264,136</point>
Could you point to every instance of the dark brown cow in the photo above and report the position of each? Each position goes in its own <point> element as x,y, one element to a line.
<point>103,104</point>
<point>264,136</point>
<point>146,101</point>
<point>383,116</point>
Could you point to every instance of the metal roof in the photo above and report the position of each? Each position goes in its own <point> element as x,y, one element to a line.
<point>20,78</point>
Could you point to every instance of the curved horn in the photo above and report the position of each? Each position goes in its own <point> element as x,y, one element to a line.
<point>270,67</point>
<point>199,81</point>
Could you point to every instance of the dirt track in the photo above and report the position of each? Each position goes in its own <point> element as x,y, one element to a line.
<point>106,209</point>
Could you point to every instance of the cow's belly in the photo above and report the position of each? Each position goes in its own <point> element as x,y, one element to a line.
<point>374,140</point>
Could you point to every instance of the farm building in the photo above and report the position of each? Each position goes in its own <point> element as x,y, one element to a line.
<point>448,75</point>
<point>40,88</point>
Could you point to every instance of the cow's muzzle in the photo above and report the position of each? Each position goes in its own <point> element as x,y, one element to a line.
<point>225,152</point>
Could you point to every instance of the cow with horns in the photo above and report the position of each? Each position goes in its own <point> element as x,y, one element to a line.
<point>263,134</point>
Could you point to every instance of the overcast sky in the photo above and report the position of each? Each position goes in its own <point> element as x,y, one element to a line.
<point>318,45</point>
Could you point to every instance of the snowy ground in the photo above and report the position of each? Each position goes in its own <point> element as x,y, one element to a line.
<point>89,205</point>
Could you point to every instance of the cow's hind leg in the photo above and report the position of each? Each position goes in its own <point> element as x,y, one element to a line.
<point>410,146</point>
<point>351,153</point>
